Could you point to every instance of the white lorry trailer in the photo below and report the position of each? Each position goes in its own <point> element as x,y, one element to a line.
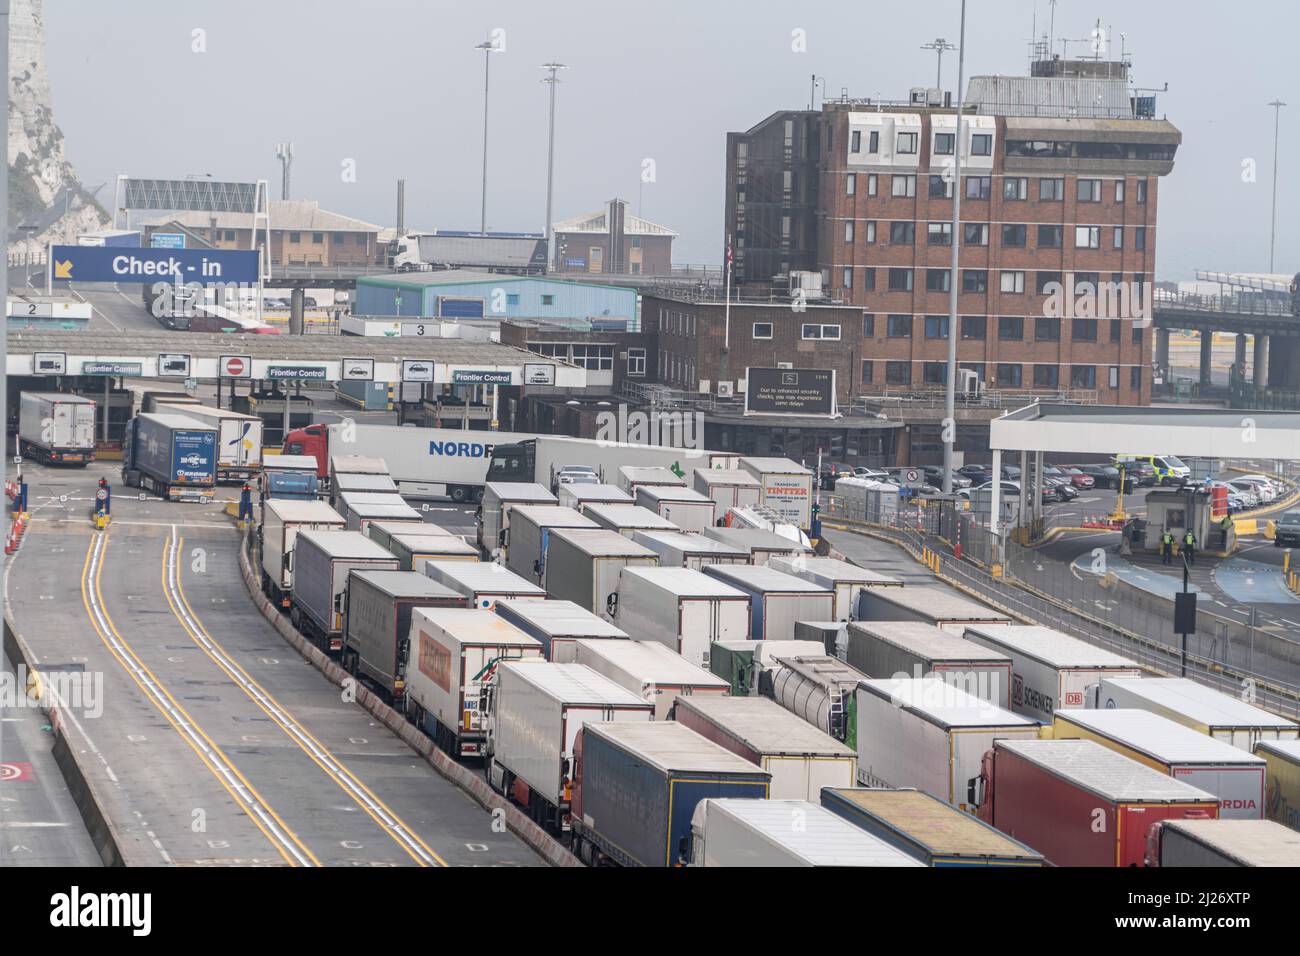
<point>776,600</point>
<point>677,549</point>
<point>633,477</point>
<point>540,458</point>
<point>785,487</point>
<point>730,832</point>
<point>583,565</point>
<point>682,609</point>
<point>684,507</point>
<point>453,652</point>
<point>883,649</point>
<point>499,497</point>
<point>729,488</point>
<point>761,545</point>
<point>322,561</point>
<point>359,508</point>
<point>941,606</point>
<point>239,439</point>
<point>1050,671</point>
<point>800,758</point>
<point>55,428</point>
<point>1222,843</point>
<point>529,535</point>
<point>534,712</point>
<point>927,734</point>
<point>1202,708</point>
<point>627,519</point>
<point>282,519</point>
<point>483,583</point>
<point>651,671</point>
<point>578,496</point>
<point>846,580</point>
<point>557,623</point>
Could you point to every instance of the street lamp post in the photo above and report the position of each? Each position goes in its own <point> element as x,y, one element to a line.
<point>1272,238</point>
<point>950,392</point>
<point>488,48</point>
<point>551,80</point>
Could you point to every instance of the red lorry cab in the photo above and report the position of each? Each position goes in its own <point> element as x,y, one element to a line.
<point>312,440</point>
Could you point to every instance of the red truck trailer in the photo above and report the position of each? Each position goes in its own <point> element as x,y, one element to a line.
<point>1078,803</point>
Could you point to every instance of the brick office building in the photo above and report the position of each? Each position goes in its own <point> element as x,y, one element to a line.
<point>1059,185</point>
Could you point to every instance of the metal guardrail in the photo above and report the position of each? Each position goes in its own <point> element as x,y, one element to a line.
<point>934,397</point>
<point>1225,305</point>
<point>1024,584</point>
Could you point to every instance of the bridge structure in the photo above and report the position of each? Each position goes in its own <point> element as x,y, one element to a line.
<point>1263,312</point>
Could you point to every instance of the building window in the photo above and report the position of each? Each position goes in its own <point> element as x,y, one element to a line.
<point>636,362</point>
<point>905,144</point>
<point>512,298</point>
<point>974,280</point>
<point>868,367</point>
<point>974,327</point>
<point>594,358</point>
<point>317,238</point>
<point>1046,376</point>
<point>1137,335</point>
<point>1049,237</point>
<point>902,233</point>
<point>898,373</point>
<point>1012,282</point>
<point>1089,190</point>
<point>1051,190</point>
<point>978,187</point>
<point>1140,238</point>
<point>848,230</point>
<point>230,235</point>
<point>940,188</point>
<point>1083,376</point>
<point>850,184</point>
<point>936,326</point>
<point>899,327</point>
<point>295,237</point>
<point>871,231</point>
<point>1086,282</point>
<point>873,141</point>
<point>814,331</point>
<point>900,280</point>
<point>548,300</point>
<point>944,143</point>
<point>1141,191</point>
<point>1115,331</point>
<point>1119,190</point>
<point>981,144</point>
<point>1047,329</point>
<point>1118,237</point>
<point>762,330</point>
<point>1135,378</point>
<point>869,276</point>
<point>868,326</point>
<point>937,280</point>
<point>1045,279</point>
<point>938,234</point>
<point>1011,328</point>
<point>1013,235</point>
<point>1010,375</point>
<point>1087,237</point>
<point>1083,330</point>
<point>857,142</point>
<point>934,373</point>
<point>1112,376</point>
<point>1015,187</point>
<point>903,186</point>
<point>871,184</point>
<point>846,280</point>
<point>362,238</point>
<point>975,234</point>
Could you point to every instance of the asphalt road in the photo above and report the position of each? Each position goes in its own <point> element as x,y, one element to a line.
<point>217,744</point>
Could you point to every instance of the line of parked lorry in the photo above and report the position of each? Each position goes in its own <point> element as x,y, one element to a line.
<point>658,696</point>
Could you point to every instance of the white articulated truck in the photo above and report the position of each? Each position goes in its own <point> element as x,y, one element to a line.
<point>1050,671</point>
<point>883,649</point>
<point>359,508</point>
<point>927,734</point>
<point>534,712</point>
<point>634,477</point>
<point>677,549</point>
<point>499,497</point>
<point>687,509</point>
<point>583,565</point>
<point>785,486</point>
<point>540,458</point>
<point>482,582</point>
<point>416,550</point>
<point>800,758</point>
<point>1222,843</point>
<point>1203,708</point>
<point>761,545</point>
<point>529,535</point>
<point>239,439</point>
<point>557,623</point>
<point>940,606</point>
<point>578,496</point>
<point>321,563</point>
<point>777,601</point>
<point>846,580</point>
<point>730,832</point>
<point>651,671</point>
<point>56,428</point>
<point>452,653</point>
<point>729,488</point>
<point>682,609</point>
<point>282,519</point>
<point>628,519</point>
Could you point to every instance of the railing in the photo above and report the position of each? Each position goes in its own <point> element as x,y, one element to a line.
<point>1227,304</point>
<point>912,397</point>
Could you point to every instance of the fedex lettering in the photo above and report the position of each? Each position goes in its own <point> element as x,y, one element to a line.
<point>460,449</point>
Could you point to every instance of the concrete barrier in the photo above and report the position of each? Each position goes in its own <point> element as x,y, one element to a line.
<point>550,849</point>
<point>69,750</point>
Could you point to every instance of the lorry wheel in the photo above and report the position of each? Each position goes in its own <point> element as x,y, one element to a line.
<point>478,495</point>
<point>458,494</point>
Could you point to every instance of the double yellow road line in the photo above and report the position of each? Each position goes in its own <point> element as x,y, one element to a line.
<point>284,840</point>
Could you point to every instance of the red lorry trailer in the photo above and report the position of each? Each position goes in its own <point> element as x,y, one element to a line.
<point>1078,803</point>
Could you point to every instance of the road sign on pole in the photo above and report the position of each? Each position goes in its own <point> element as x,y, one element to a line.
<point>125,264</point>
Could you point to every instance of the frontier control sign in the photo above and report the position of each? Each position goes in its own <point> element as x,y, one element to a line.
<point>790,391</point>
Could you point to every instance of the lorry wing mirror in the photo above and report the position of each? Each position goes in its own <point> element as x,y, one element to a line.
<point>611,603</point>
<point>501,537</point>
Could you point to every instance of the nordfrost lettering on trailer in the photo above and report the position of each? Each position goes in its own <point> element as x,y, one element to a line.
<point>459,449</point>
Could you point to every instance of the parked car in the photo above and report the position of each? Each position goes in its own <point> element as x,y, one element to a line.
<point>976,473</point>
<point>934,475</point>
<point>1059,490</point>
<point>862,471</point>
<point>1107,476</point>
<point>577,475</point>
<point>1143,471</point>
<point>1078,478</point>
<point>1286,530</point>
<point>1264,486</point>
<point>1247,491</point>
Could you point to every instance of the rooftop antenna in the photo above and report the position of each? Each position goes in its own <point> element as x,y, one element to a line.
<point>1051,27</point>
<point>284,152</point>
<point>938,45</point>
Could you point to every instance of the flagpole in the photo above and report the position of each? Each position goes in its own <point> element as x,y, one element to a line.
<point>726,334</point>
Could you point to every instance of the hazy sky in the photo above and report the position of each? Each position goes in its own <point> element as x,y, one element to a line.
<point>396,87</point>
